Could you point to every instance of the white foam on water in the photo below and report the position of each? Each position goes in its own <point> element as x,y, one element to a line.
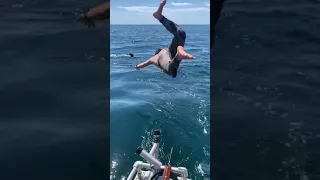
<point>119,55</point>
<point>114,165</point>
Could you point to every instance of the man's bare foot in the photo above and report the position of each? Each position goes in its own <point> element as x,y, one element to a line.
<point>158,13</point>
<point>183,55</point>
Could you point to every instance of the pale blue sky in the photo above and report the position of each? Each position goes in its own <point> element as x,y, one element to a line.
<point>140,11</point>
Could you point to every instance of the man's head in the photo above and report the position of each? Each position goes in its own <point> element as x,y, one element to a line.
<point>157,51</point>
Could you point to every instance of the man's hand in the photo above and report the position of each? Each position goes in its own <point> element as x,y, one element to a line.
<point>85,20</point>
<point>137,68</point>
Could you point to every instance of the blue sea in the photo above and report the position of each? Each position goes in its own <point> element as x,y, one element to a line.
<point>141,101</point>
<point>54,99</point>
<point>266,91</point>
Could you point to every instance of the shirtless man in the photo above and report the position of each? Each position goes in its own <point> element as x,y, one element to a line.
<point>168,59</point>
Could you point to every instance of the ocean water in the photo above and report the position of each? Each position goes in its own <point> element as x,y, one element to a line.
<point>141,101</point>
<point>54,95</point>
<point>266,91</point>
<point>54,92</point>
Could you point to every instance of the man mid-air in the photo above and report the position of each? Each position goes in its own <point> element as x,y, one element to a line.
<point>168,59</point>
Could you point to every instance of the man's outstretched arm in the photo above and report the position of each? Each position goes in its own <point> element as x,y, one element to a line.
<point>100,12</point>
<point>152,60</point>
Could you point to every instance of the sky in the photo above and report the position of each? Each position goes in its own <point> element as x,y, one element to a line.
<point>140,11</point>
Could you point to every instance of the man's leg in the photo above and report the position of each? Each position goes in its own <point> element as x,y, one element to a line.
<point>179,35</point>
<point>177,45</point>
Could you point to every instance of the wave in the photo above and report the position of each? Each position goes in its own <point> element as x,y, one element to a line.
<point>119,55</point>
